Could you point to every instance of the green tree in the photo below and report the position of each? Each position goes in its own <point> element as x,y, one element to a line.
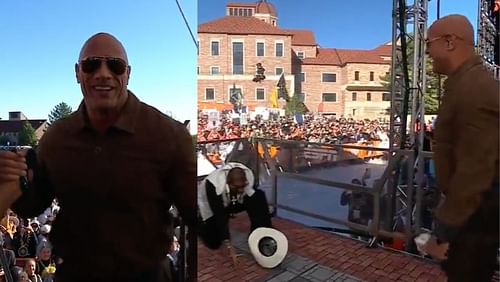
<point>295,106</point>
<point>195,139</point>
<point>432,81</point>
<point>27,136</point>
<point>60,111</point>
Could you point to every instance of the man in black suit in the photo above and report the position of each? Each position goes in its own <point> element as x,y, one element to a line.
<point>11,262</point>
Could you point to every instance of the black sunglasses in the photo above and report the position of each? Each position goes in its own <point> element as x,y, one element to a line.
<point>91,64</point>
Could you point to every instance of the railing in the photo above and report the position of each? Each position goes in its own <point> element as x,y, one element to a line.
<point>294,157</point>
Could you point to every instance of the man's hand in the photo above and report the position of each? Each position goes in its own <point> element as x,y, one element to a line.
<point>12,166</point>
<point>435,250</point>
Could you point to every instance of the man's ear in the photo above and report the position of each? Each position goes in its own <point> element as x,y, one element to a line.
<point>450,43</point>
<point>129,69</point>
<point>77,69</point>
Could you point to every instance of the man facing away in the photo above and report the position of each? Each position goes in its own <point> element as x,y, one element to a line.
<point>116,164</point>
<point>466,155</point>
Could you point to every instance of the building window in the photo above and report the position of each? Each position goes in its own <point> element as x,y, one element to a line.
<point>260,49</point>
<point>237,57</point>
<point>329,77</point>
<point>386,96</point>
<point>368,96</point>
<point>214,70</point>
<point>301,77</point>
<point>356,75</point>
<point>259,94</point>
<point>250,12</point>
<point>279,49</point>
<point>209,94</point>
<point>329,97</point>
<point>215,48</point>
<point>372,76</point>
<point>198,70</point>
<point>231,11</point>
<point>240,12</point>
<point>300,55</point>
<point>354,96</point>
<point>245,13</point>
<point>301,97</point>
<point>279,71</point>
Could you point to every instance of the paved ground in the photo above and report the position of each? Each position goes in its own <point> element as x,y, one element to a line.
<point>316,256</point>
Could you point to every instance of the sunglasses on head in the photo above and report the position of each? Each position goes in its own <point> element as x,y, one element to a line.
<point>92,64</point>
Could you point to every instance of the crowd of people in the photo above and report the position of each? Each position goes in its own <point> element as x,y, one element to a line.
<point>28,250</point>
<point>313,128</point>
<point>27,246</point>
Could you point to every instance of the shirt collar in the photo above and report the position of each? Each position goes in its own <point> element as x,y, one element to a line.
<point>126,121</point>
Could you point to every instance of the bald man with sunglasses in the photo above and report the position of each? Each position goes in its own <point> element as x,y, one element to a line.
<point>116,165</point>
<point>466,154</point>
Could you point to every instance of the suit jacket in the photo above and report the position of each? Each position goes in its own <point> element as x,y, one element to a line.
<point>466,141</point>
<point>11,262</point>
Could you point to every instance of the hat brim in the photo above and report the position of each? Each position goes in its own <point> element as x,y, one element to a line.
<point>281,250</point>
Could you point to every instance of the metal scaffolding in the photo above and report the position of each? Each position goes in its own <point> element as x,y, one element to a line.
<point>407,124</point>
<point>487,35</point>
<point>408,86</point>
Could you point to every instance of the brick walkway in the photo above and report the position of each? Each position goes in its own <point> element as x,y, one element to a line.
<point>313,255</point>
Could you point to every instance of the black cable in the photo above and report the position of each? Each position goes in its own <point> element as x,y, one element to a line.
<point>404,54</point>
<point>187,24</point>
<point>439,76</point>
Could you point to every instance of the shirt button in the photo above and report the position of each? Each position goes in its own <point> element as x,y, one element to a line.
<point>97,150</point>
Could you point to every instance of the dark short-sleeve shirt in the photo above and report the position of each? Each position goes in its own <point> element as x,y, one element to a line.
<point>114,189</point>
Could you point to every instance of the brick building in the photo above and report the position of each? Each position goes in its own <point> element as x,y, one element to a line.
<point>328,80</point>
<point>9,129</point>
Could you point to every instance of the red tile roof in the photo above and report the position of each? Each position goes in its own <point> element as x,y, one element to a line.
<point>262,7</point>
<point>340,57</point>
<point>265,8</point>
<point>324,57</point>
<point>17,125</point>
<point>250,5</point>
<point>302,37</point>
<point>240,25</point>
<point>384,50</point>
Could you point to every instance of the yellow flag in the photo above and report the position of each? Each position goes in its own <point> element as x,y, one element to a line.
<point>273,98</point>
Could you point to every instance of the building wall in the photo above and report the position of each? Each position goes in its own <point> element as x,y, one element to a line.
<point>41,130</point>
<point>361,108</point>
<point>364,73</point>
<point>309,51</point>
<point>223,82</point>
<point>224,59</point>
<point>313,88</point>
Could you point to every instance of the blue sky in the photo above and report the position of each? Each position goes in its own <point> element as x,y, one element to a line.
<point>361,24</point>
<point>41,40</point>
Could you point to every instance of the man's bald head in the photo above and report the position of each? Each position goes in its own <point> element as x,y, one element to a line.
<point>453,24</point>
<point>104,45</point>
<point>450,43</point>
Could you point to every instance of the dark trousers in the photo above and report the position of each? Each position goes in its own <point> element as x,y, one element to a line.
<point>472,255</point>
<point>257,210</point>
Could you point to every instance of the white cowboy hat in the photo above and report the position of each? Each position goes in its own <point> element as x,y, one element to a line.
<point>268,246</point>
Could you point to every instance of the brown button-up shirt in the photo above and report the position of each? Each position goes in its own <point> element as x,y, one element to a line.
<point>114,189</point>
<point>466,149</point>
